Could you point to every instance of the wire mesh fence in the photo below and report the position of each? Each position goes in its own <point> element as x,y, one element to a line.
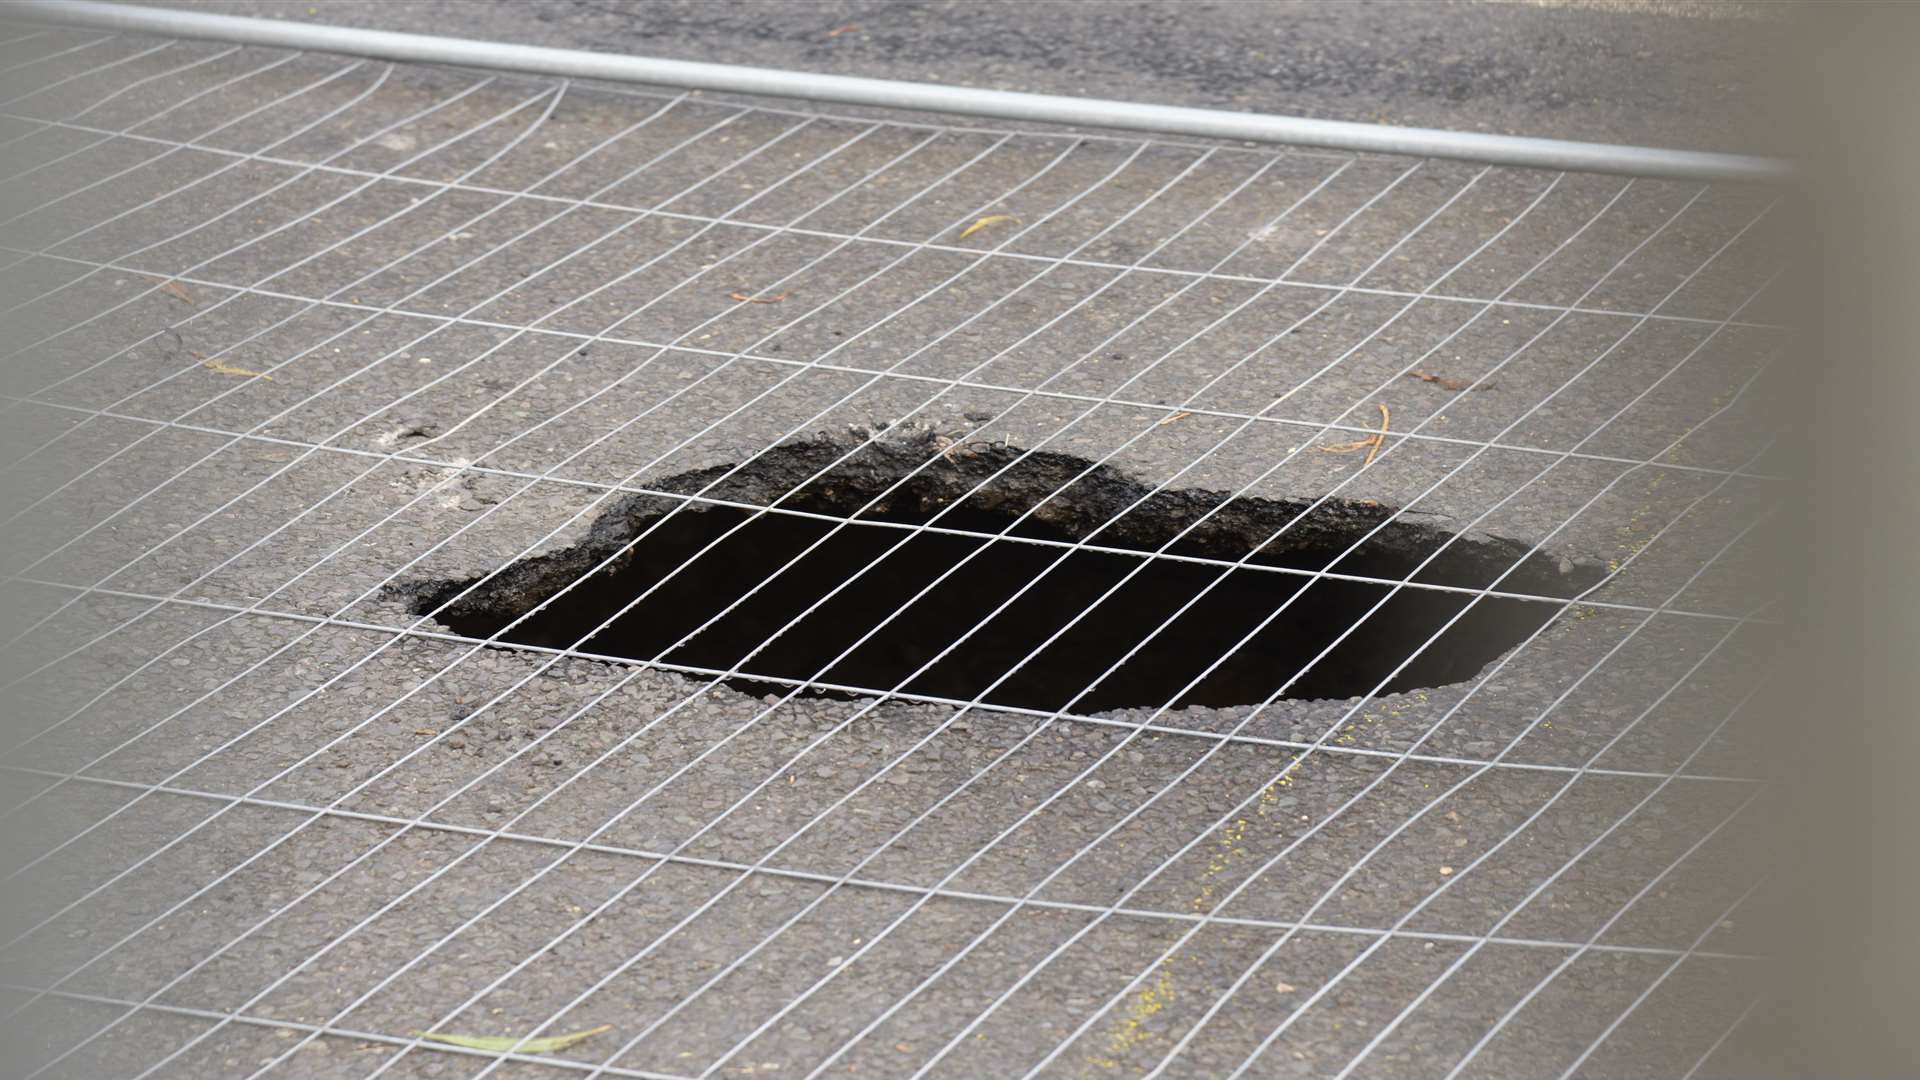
<point>792,592</point>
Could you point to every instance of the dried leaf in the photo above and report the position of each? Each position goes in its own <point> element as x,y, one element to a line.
<point>837,31</point>
<point>506,1043</point>
<point>175,289</point>
<point>745,299</point>
<point>990,219</point>
<point>1440,381</point>
<point>229,369</point>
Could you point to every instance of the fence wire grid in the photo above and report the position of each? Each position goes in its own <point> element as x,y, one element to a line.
<point>289,334</point>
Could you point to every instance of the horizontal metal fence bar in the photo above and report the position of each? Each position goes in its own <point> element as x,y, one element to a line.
<point>134,1005</point>
<point>716,674</point>
<point>878,884</point>
<point>927,97</point>
<point>828,234</point>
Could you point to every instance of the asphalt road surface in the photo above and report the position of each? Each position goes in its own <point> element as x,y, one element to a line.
<point>1680,75</point>
<point>294,344</point>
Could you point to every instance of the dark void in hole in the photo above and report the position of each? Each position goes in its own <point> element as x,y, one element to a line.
<point>883,566</point>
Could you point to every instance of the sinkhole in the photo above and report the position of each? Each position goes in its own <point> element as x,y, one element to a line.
<point>695,567</point>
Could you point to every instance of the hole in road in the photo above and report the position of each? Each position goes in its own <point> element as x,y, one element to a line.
<point>694,568</point>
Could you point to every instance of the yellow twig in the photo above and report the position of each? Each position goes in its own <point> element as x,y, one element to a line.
<point>228,369</point>
<point>990,219</point>
<point>1379,440</point>
<point>172,288</point>
<point>1348,447</point>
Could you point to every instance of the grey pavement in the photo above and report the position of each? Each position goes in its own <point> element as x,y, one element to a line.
<point>294,342</point>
